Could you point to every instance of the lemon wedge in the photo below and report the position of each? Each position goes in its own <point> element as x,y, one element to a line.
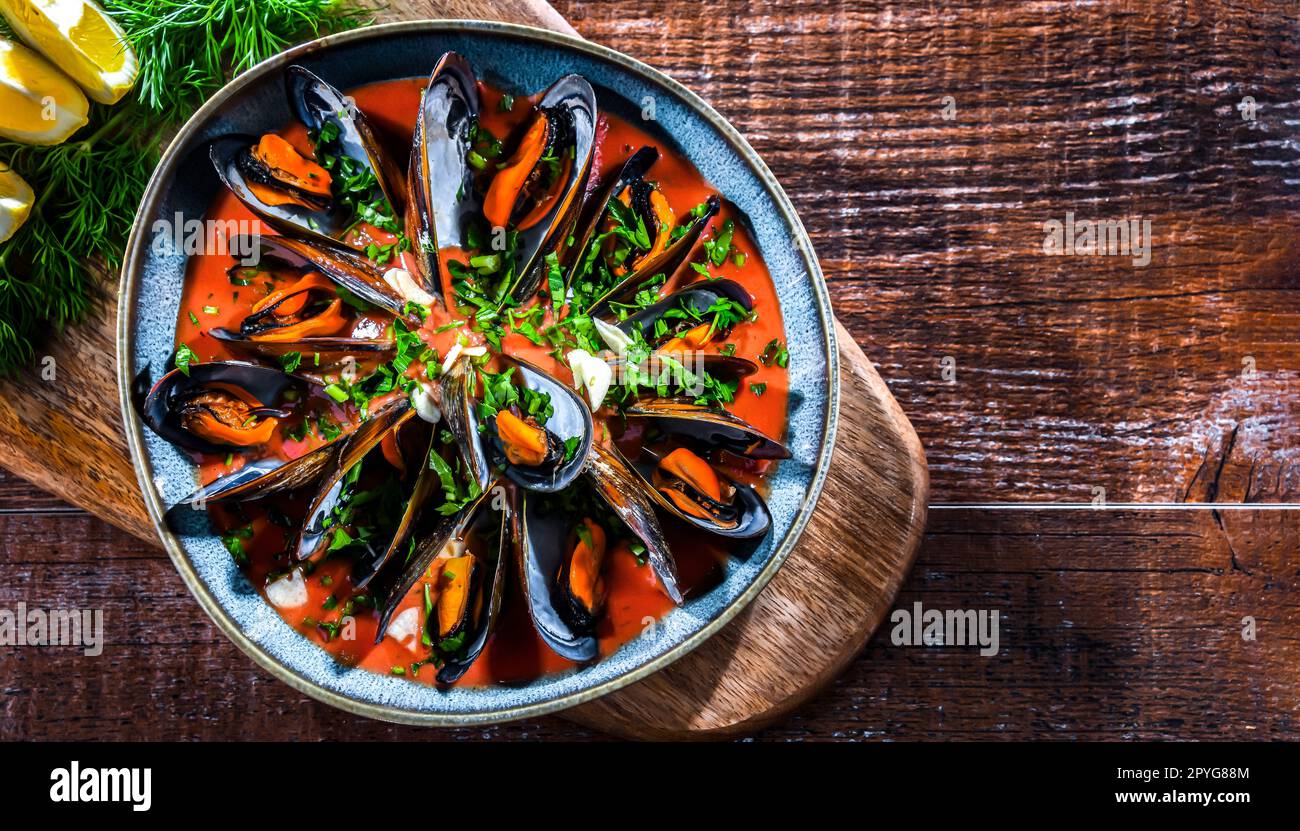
<point>78,36</point>
<point>16,200</point>
<point>38,103</point>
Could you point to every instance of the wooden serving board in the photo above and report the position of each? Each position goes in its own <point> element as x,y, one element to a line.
<point>60,429</point>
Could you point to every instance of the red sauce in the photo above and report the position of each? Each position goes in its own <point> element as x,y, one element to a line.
<point>515,653</point>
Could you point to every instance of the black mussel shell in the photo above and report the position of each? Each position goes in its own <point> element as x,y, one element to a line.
<point>570,106</point>
<point>722,367</point>
<point>711,428</point>
<point>747,514</point>
<point>431,541</point>
<point>698,297</point>
<point>664,265</point>
<point>624,490</point>
<point>315,103</point>
<point>634,169</point>
<point>260,336</point>
<point>492,581</point>
<point>259,479</point>
<point>422,489</point>
<point>333,352</point>
<point>162,407</point>
<point>458,409</point>
<point>308,542</point>
<point>441,197</point>
<point>347,268</point>
<point>571,418</point>
<point>432,533</point>
<point>540,534</point>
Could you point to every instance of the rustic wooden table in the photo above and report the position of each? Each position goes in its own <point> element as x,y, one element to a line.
<point>926,148</point>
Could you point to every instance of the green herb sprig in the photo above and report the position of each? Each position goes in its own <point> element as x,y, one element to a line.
<point>88,188</point>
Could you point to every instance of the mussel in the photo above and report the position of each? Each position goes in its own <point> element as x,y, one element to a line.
<point>309,540</point>
<point>580,580</point>
<point>441,196</point>
<point>623,489</point>
<point>544,457</point>
<point>349,270</point>
<point>540,537</point>
<point>305,314</point>
<point>458,409</point>
<point>683,370</point>
<point>538,191</point>
<point>688,486</point>
<point>633,237</point>
<point>692,317</point>
<point>709,427</point>
<point>464,590</point>
<point>297,190</point>
<point>220,406</point>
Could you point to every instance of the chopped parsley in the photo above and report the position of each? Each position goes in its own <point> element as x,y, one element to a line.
<point>184,357</point>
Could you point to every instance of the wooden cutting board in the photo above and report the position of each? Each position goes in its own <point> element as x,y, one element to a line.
<point>60,429</point>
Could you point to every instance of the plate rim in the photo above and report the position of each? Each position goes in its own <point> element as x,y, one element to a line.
<point>137,246</point>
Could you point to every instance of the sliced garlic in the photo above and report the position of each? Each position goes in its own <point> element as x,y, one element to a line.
<point>592,373</point>
<point>615,338</point>
<point>401,281</point>
<point>425,408</point>
<point>289,592</point>
<point>452,354</point>
<point>460,350</point>
<point>405,626</point>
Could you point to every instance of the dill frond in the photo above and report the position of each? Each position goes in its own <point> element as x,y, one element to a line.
<point>88,188</point>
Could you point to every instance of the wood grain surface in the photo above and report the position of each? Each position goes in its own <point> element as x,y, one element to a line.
<point>1071,373</point>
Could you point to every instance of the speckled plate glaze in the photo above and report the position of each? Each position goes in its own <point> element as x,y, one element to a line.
<point>524,59</point>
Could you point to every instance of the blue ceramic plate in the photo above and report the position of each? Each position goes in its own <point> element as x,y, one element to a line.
<point>523,60</point>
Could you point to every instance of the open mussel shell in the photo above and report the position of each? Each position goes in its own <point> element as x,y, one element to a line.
<point>571,418</point>
<point>166,406</point>
<point>711,428</point>
<point>483,610</point>
<point>315,103</point>
<point>349,269</point>
<point>626,492</point>
<point>318,103</point>
<point>634,169</point>
<point>570,108</point>
<point>258,479</point>
<point>664,264</point>
<point>319,354</point>
<point>441,197</point>
<point>458,409</point>
<point>489,582</point>
<point>422,490</point>
<point>698,298</point>
<point>540,537</point>
<point>308,541</point>
<point>745,517</point>
<point>229,156</point>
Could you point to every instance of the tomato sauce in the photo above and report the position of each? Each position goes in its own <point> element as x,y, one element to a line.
<point>515,653</point>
